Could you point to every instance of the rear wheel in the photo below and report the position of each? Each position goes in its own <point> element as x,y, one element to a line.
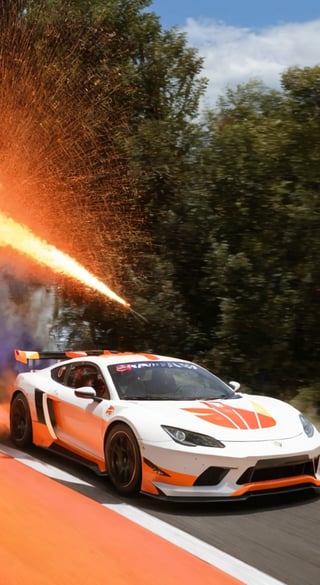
<point>123,460</point>
<point>20,421</point>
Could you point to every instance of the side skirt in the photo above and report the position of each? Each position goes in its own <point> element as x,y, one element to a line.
<point>67,454</point>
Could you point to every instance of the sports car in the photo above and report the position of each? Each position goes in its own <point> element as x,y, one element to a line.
<point>162,426</point>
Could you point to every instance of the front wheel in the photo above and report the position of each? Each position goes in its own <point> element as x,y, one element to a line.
<point>20,421</point>
<point>123,460</point>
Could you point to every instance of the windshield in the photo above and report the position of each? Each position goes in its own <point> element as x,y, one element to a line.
<point>167,381</point>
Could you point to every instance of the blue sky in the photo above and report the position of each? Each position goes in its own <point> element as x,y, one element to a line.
<point>241,40</point>
<point>242,13</point>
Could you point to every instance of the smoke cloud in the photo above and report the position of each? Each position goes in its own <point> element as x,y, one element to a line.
<point>26,313</point>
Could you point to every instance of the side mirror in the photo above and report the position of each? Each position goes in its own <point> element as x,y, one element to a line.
<point>235,386</point>
<point>85,392</point>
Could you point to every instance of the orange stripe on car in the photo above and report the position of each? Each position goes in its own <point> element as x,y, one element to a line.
<point>213,416</point>
<point>229,413</point>
<point>263,415</point>
<point>152,473</point>
<point>108,353</point>
<point>41,435</point>
<point>273,484</point>
<point>239,418</point>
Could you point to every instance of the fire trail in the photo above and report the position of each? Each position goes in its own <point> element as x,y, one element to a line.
<point>20,238</point>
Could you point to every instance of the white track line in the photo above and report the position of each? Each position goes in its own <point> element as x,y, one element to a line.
<point>42,467</point>
<point>208,553</point>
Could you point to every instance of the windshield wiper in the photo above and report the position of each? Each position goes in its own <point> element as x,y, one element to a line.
<point>219,397</point>
<point>143,398</point>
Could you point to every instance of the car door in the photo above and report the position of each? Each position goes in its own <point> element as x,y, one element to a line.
<point>78,421</point>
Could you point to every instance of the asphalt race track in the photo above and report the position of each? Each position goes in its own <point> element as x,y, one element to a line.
<point>273,541</point>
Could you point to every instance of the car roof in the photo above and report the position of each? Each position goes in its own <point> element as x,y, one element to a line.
<point>127,357</point>
<point>102,357</point>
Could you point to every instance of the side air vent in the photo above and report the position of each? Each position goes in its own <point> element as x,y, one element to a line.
<point>38,394</point>
<point>212,476</point>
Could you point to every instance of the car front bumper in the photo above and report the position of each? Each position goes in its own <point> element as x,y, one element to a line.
<point>237,471</point>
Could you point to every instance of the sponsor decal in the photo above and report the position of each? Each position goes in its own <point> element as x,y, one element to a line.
<point>124,368</point>
<point>152,365</point>
<point>110,410</point>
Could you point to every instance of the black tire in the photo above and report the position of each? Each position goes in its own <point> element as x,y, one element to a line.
<point>20,421</point>
<point>123,460</point>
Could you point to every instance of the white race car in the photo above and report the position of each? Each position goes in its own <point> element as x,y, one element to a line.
<point>162,426</point>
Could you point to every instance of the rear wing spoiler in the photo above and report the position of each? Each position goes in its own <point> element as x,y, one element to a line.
<point>24,356</point>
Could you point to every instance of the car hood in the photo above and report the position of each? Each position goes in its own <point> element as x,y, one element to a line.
<point>244,418</point>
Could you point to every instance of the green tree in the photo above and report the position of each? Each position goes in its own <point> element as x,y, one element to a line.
<point>260,271</point>
<point>302,92</point>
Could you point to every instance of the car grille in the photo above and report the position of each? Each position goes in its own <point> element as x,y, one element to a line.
<point>212,476</point>
<point>268,469</point>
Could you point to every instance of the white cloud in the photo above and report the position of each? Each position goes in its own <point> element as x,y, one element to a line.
<point>234,56</point>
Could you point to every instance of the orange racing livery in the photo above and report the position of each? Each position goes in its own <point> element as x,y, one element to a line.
<point>163,426</point>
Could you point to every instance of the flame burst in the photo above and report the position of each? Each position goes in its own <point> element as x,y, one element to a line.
<point>65,109</point>
<point>20,238</point>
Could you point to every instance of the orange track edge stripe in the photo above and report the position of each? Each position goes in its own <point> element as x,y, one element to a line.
<point>52,535</point>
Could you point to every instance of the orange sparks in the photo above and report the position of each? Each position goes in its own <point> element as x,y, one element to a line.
<point>20,238</point>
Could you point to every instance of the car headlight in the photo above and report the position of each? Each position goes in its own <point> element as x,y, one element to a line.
<point>190,438</point>
<point>307,426</point>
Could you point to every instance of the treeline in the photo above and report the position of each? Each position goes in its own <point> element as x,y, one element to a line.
<point>218,211</point>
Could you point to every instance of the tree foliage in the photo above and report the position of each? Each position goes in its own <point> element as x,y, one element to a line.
<point>262,262</point>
